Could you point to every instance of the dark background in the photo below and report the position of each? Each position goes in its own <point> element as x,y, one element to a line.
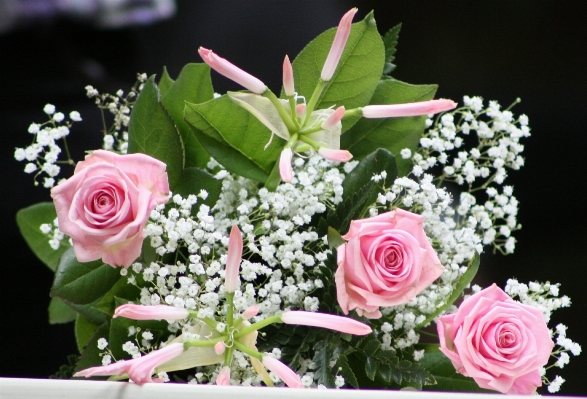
<point>499,50</point>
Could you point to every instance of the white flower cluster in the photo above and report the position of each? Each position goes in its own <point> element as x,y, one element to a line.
<point>545,296</point>
<point>56,237</point>
<point>119,106</point>
<point>42,155</point>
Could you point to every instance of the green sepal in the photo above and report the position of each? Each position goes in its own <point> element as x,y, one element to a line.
<point>29,220</point>
<point>335,240</point>
<point>356,75</point>
<point>152,131</point>
<point>195,86</point>
<point>393,134</point>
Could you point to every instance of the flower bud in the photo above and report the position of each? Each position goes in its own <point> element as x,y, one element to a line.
<point>233,259</point>
<point>232,72</point>
<point>285,169</point>
<point>145,312</point>
<point>342,35</point>
<point>288,376</point>
<point>288,78</point>
<point>224,376</point>
<point>335,155</point>
<point>333,118</point>
<point>408,109</point>
<point>324,320</point>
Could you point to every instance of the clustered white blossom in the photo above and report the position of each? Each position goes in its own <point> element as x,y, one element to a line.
<point>545,296</point>
<point>42,155</point>
<point>119,105</point>
<point>56,237</point>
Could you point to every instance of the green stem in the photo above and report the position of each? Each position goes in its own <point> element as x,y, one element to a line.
<point>258,325</point>
<point>230,311</point>
<point>245,349</point>
<point>313,143</point>
<point>352,112</point>
<point>199,343</point>
<point>314,100</point>
<point>287,119</point>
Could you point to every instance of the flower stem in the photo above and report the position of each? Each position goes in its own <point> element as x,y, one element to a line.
<point>314,100</point>
<point>257,326</point>
<point>287,119</point>
<point>245,349</point>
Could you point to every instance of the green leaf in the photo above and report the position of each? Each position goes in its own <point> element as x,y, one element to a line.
<point>462,283</point>
<point>193,180</point>
<point>447,379</point>
<point>84,331</point>
<point>322,356</point>
<point>390,41</point>
<point>29,221</point>
<point>371,367</point>
<point>356,75</point>
<point>151,131</point>
<point>91,355</point>
<point>165,82</point>
<point>335,240</point>
<point>346,371</point>
<point>234,137</point>
<point>82,283</point>
<point>195,86</point>
<point>59,312</point>
<point>121,289</point>
<point>393,134</point>
<point>89,312</point>
<point>373,164</point>
<point>118,333</point>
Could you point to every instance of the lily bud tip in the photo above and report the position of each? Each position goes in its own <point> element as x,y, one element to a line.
<point>340,39</point>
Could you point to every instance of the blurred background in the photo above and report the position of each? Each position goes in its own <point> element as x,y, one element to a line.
<point>497,49</point>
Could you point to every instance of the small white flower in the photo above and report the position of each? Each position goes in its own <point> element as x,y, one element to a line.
<point>49,109</point>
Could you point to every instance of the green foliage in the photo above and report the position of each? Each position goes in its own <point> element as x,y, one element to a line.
<point>234,137</point>
<point>193,180</point>
<point>447,379</point>
<point>66,371</point>
<point>356,75</point>
<point>393,134</point>
<point>84,330</point>
<point>193,85</point>
<point>358,195</point>
<point>462,283</point>
<point>59,312</point>
<point>29,220</point>
<point>390,41</point>
<point>91,355</point>
<point>151,131</point>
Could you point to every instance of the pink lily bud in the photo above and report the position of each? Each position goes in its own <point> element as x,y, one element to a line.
<point>156,312</point>
<point>342,35</point>
<point>335,155</point>
<point>219,348</point>
<point>408,109</point>
<point>300,110</point>
<point>139,370</point>
<point>250,312</point>
<point>233,259</point>
<point>232,72</point>
<point>288,78</point>
<point>333,118</point>
<point>288,376</point>
<point>224,376</point>
<point>285,169</point>
<point>324,320</point>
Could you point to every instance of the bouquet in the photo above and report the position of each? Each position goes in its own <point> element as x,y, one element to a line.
<point>324,236</point>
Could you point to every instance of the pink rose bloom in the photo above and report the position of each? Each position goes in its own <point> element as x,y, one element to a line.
<point>387,261</point>
<point>104,206</point>
<point>497,341</point>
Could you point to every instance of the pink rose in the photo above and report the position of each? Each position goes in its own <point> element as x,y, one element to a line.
<point>497,341</point>
<point>104,206</point>
<point>387,261</point>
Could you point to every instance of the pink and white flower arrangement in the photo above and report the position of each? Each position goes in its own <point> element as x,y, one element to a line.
<point>306,249</point>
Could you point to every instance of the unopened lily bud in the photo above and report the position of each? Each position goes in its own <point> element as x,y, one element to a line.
<point>335,155</point>
<point>324,320</point>
<point>300,110</point>
<point>219,348</point>
<point>285,168</point>
<point>155,312</point>
<point>224,376</point>
<point>288,78</point>
<point>250,312</point>
<point>333,118</point>
<point>288,376</point>
<point>342,35</point>
<point>232,72</point>
<point>233,259</point>
<point>408,109</point>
